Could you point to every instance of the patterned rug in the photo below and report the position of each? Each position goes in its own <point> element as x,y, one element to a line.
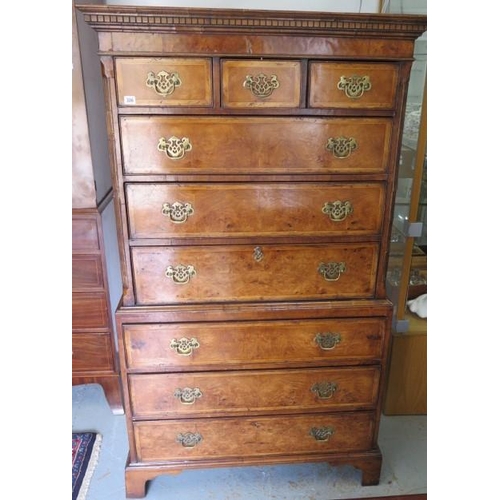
<point>86,447</point>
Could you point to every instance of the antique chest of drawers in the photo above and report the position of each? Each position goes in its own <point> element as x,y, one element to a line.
<point>254,158</point>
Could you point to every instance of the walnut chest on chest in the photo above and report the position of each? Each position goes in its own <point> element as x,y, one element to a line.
<point>254,157</point>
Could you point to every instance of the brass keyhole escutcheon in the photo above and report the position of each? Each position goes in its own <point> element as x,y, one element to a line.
<point>258,254</point>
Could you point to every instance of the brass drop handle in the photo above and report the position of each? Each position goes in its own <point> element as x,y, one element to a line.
<point>177,212</point>
<point>163,83</point>
<point>321,433</point>
<point>337,210</point>
<point>180,275</point>
<point>354,86</point>
<point>331,271</point>
<point>328,340</point>
<point>188,395</point>
<point>324,390</point>
<point>175,148</point>
<point>261,85</point>
<point>189,439</point>
<point>341,147</point>
<point>184,346</point>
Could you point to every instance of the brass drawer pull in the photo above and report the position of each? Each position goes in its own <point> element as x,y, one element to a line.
<point>174,147</point>
<point>331,271</point>
<point>178,212</point>
<point>189,439</point>
<point>261,85</point>
<point>163,83</point>
<point>322,433</point>
<point>180,274</point>
<point>341,147</point>
<point>337,210</point>
<point>328,340</point>
<point>188,396</point>
<point>324,390</point>
<point>354,86</point>
<point>184,346</point>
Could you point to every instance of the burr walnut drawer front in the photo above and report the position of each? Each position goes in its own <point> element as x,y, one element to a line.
<point>164,81</point>
<point>260,84</point>
<point>264,145</point>
<point>92,351</point>
<point>252,344</point>
<point>187,274</point>
<point>352,85</point>
<point>221,210</point>
<point>253,436</point>
<point>246,392</point>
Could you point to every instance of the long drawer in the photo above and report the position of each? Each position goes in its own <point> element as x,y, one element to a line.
<point>164,275</point>
<point>197,439</point>
<point>259,209</point>
<point>252,344</point>
<point>264,145</point>
<point>251,392</point>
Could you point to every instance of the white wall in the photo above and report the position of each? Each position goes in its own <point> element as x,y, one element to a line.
<point>304,5</point>
<point>405,6</point>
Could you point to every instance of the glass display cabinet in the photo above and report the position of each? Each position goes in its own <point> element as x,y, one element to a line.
<point>406,388</point>
<point>407,269</point>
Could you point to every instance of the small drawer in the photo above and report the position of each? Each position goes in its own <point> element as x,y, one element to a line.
<point>252,392</point>
<point>87,271</point>
<point>198,439</point>
<point>255,344</point>
<point>188,274</point>
<point>258,209</point>
<point>92,352</point>
<point>164,82</point>
<point>85,234</point>
<point>254,145</point>
<point>260,84</point>
<point>90,310</point>
<point>352,85</point>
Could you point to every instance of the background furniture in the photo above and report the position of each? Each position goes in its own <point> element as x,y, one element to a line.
<point>254,159</point>
<point>406,390</point>
<point>93,229</point>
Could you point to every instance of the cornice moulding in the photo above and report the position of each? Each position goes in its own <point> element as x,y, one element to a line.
<point>167,19</point>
